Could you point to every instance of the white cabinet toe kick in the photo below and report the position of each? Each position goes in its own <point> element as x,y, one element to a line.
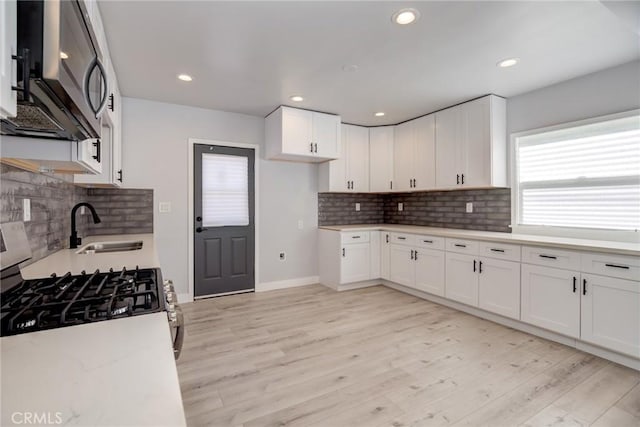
<point>586,300</point>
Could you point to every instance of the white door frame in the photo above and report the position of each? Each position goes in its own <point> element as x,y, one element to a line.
<point>256,149</point>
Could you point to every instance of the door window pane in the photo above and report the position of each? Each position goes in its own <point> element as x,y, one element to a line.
<point>225,190</point>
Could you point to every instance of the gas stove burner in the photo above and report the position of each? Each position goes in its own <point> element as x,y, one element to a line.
<point>67,300</point>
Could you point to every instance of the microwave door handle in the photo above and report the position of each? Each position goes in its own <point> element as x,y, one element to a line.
<point>95,63</point>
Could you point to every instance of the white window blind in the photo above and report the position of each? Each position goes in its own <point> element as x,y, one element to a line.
<point>585,176</point>
<point>225,190</point>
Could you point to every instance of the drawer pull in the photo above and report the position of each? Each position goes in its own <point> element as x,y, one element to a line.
<point>584,286</point>
<point>428,241</point>
<point>402,238</point>
<point>547,256</point>
<point>355,237</point>
<point>497,250</point>
<point>459,245</point>
<point>626,267</point>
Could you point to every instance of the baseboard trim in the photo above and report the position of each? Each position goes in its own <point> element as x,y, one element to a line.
<point>524,327</point>
<point>289,283</point>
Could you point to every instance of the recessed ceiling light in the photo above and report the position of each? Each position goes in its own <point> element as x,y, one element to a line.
<point>350,68</point>
<point>405,16</point>
<point>185,77</point>
<point>379,114</point>
<point>63,55</point>
<point>296,98</point>
<point>510,62</point>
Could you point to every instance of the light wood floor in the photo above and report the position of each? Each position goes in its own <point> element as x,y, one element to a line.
<point>310,356</point>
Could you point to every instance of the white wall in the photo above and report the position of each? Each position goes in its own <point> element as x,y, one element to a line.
<point>606,92</point>
<point>155,149</point>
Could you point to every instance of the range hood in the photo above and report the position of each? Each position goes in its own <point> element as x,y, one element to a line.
<point>51,155</point>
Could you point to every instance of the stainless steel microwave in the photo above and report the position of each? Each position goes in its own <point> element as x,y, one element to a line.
<point>62,84</point>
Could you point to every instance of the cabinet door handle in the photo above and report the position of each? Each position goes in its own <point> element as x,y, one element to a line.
<point>428,241</point>
<point>626,267</point>
<point>390,185</point>
<point>402,238</point>
<point>343,253</point>
<point>315,147</point>
<point>497,250</point>
<point>387,238</point>
<point>458,179</point>
<point>459,245</point>
<point>311,145</point>
<point>575,288</point>
<point>97,145</point>
<point>462,178</point>
<point>480,267</point>
<point>111,105</point>
<point>584,286</point>
<point>548,256</point>
<point>355,237</point>
<point>120,175</point>
<point>410,183</point>
<point>415,255</point>
<point>411,253</point>
<point>474,265</point>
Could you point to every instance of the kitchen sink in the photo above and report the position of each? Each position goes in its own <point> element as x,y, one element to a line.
<point>101,247</point>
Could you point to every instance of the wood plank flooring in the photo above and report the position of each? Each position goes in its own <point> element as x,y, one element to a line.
<point>311,356</point>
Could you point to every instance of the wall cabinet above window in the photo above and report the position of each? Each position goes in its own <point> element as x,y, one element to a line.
<point>302,135</point>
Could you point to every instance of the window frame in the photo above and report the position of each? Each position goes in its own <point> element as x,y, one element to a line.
<point>558,231</point>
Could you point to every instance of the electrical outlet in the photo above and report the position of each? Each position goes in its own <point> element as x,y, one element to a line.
<point>283,256</point>
<point>400,207</point>
<point>469,207</point>
<point>300,224</point>
<point>26,210</point>
<point>164,207</point>
<point>357,207</point>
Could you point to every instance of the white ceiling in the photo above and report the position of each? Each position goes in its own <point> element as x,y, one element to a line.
<point>249,57</point>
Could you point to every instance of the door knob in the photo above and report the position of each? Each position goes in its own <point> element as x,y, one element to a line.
<point>200,229</point>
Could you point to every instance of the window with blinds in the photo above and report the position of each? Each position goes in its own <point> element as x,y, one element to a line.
<point>225,190</point>
<point>585,176</point>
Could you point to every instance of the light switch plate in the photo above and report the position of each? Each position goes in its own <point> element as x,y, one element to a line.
<point>400,207</point>
<point>357,207</point>
<point>26,210</point>
<point>164,207</point>
<point>469,207</point>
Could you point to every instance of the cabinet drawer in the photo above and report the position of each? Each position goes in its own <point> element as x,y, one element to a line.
<point>500,251</point>
<point>624,267</point>
<point>551,257</point>
<point>462,246</point>
<point>354,237</point>
<point>430,242</point>
<point>403,239</point>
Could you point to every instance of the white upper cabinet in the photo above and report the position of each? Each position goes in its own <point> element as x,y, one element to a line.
<point>381,158</point>
<point>8,48</point>
<point>414,155</point>
<point>350,172</point>
<point>471,145</point>
<point>302,135</point>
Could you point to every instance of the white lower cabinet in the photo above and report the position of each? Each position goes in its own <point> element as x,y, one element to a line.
<point>610,313</point>
<point>550,299</point>
<point>356,262</point>
<point>429,276</point>
<point>401,266</point>
<point>499,287</point>
<point>461,278</point>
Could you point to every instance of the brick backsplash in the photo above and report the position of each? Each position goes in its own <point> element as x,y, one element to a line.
<point>491,209</point>
<point>122,211</point>
<point>340,208</point>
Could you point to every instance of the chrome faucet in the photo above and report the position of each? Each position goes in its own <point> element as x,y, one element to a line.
<point>74,240</point>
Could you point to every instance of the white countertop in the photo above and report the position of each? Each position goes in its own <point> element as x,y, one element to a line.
<point>110,373</point>
<point>524,239</point>
<point>66,260</point>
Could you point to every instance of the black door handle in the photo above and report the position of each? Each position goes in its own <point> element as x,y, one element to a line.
<point>201,229</point>
<point>474,265</point>
<point>574,284</point>
<point>387,238</point>
<point>120,175</point>
<point>584,286</point>
<point>458,179</point>
<point>97,145</point>
<point>111,102</point>
<point>480,267</point>
<point>343,252</point>
<point>462,178</point>
<point>415,255</point>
